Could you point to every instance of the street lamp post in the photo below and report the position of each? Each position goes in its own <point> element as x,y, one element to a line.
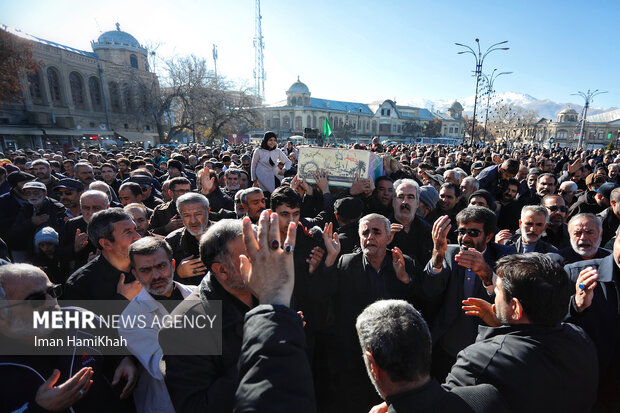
<point>489,91</point>
<point>478,71</point>
<point>588,96</point>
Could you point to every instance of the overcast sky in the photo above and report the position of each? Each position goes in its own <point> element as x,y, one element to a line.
<point>363,50</point>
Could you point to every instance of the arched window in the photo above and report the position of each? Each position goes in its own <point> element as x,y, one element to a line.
<point>34,81</point>
<point>374,125</point>
<point>95,93</point>
<point>275,123</point>
<point>133,61</point>
<point>127,98</point>
<point>115,97</point>
<point>293,101</point>
<point>314,121</point>
<point>77,90</point>
<point>53,79</point>
<point>308,121</point>
<point>142,98</point>
<point>321,121</point>
<point>286,122</point>
<point>298,123</point>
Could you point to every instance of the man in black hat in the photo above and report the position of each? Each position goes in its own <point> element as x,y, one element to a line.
<point>69,191</point>
<point>146,185</point>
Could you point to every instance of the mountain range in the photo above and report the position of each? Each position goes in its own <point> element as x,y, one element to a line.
<point>544,107</point>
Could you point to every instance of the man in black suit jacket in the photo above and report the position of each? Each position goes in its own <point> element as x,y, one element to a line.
<point>354,282</point>
<point>457,272</point>
<point>596,309</point>
<point>533,223</point>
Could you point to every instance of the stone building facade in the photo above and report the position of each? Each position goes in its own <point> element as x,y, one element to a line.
<point>77,96</point>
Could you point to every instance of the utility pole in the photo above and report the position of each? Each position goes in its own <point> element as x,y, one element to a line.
<point>215,59</point>
<point>259,46</point>
<point>584,113</point>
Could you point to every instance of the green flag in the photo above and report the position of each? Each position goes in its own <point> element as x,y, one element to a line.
<point>327,128</point>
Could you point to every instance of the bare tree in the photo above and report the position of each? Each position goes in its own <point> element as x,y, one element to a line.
<point>512,122</point>
<point>15,62</point>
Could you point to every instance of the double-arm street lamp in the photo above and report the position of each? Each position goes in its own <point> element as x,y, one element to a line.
<point>584,114</point>
<point>489,80</point>
<point>478,71</point>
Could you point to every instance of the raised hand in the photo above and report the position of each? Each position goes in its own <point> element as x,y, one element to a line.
<point>472,258</point>
<point>332,244</point>
<point>80,241</point>
<point>584,288</point>
<point>268,272</point>
<point>321,178</point>
<point>398,262</point>
<point>440,230</point>
<point>503,236</point>
<point>314,259</point>
<point>207,184</point>
<point>174,223</point>
<point>59,398</point>
<point>480,308</point>
<point>128,370</point>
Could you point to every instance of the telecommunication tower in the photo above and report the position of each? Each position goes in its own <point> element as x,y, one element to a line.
<point>259,45</point>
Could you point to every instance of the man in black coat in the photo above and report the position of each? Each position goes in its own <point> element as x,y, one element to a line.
<point>353,283</point>
<point>74,246</point>
<point>610,217</point>
<point>198,382</point>
<point>585,231</point>
<point>595,307</point>
<point>557,230</point>
<point>165,217</point>
<point>536,361</point>
<point>457,272</point>
<point>108,276</point>
<point>534,220</point>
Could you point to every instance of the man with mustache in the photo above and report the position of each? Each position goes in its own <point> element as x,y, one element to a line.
<point>152,265</point>
<point>412,234</point>
<point>457,272</point>
<point>534,220</point>
<point>586,231</point>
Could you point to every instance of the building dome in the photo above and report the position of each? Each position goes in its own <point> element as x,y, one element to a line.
<point>456,106</point>
<point>298,87</point>
<point>568,111</point>
<point>118,39</point>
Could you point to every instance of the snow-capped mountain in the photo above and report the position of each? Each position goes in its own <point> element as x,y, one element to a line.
<point>546,108</point>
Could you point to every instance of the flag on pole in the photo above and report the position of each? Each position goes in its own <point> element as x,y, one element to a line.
<point>327,128</point>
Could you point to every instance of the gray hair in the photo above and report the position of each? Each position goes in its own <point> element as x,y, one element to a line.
<point>41,162</point>
<point>10,272</point>
<point>370,217</point>
<point>588,216</point>
<point>473,181</point>
<point>192,198</point>
<point>248,192</point>
<point>573,186</point>
<point>100,184</point>
<point>407,181</point>
<point>94,193</point>
<point>535,209</point>
<point>397,336</point>
<point>214,243</point>
<point>82,165</point>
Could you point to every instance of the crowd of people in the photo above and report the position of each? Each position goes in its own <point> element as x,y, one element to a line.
<point>465,278</point>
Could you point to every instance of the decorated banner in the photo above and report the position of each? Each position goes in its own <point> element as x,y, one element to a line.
<point>342,164</point>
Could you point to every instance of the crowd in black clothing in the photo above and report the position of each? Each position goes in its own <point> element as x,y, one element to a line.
<point>491,271</point>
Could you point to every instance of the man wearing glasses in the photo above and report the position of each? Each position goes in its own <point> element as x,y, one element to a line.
<point>165,218</point>
<point>458,272</point>
<point>52,382</point>
<point>556,233</point>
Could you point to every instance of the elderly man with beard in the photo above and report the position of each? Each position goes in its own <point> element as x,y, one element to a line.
<point>546,184</point>
<point>412,235</point>
<point>40,212</point>
<point>537,362</point>
<point>586,231</point>
<point>206,383</point>
<point>42,382</point>
<point>457,272</point>
<point>152,265</point>
<point>194,211</point>
<point>534,220</point>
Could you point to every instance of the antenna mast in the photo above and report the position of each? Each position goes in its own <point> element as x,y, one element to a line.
<point>259,45</point>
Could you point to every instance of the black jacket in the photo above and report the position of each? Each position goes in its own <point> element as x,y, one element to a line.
<point>448,288</point>
<point>586,203</point>
<point>183,245</point>
<point>602,319</point>
<point>273,368</point>
<point>610,224</point>
<point>10,205</point>
<point>416,243</point>
<point>535,368</point>
<point>204,383</point>
<point>570,256</point>
<point>23,230</point>
<point>66,243</point>
<point>541,246</point>
<point>218,200</point>
<point>97,280</point>
<point>560,240</point>
<point>162,214</point>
